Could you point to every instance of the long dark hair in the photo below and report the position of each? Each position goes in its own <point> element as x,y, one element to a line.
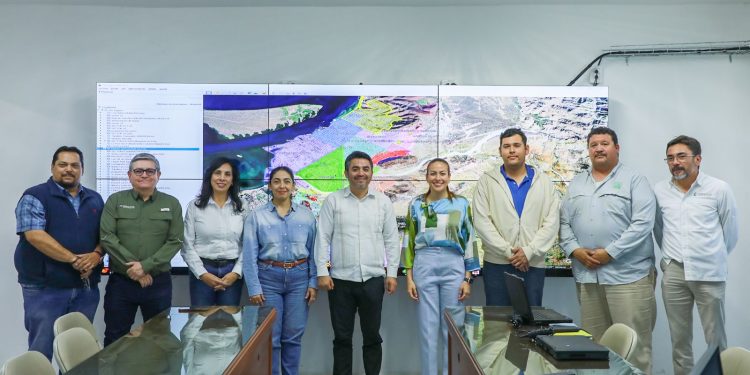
<point>234,191</point>
<point>439,160</point>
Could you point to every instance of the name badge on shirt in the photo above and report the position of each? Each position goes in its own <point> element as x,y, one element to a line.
<point>126,206</point>
<point>165,209</point>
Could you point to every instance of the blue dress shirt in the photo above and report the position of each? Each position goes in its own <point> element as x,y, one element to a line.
<point>269,236</point>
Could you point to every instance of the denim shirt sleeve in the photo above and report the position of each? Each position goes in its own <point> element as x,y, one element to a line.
<point>250,249</point>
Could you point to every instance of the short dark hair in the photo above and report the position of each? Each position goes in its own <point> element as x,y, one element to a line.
<point>507,133</point>
<point>602,130</point>
<point>356,155</point>
<point>690,142</point>
<point>67,149</point>
<point>207,190</point>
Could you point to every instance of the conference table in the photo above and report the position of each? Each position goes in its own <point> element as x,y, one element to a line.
<point>202,340</point>
<point>481,340</point>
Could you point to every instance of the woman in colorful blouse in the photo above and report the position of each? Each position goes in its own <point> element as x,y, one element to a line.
<point>213,237</point>
<point>280,267</point>
<point>439,257</point>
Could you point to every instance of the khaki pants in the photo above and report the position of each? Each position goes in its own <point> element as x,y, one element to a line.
<point>632,304</point>
<point>679,296</point>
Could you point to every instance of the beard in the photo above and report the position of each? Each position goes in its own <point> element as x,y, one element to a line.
<point>681,176</point>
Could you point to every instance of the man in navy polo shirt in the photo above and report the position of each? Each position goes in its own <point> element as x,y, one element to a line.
<point>58,254</point>
<point>516,215</point>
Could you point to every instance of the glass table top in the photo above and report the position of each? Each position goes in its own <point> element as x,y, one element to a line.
<point>498,347</point>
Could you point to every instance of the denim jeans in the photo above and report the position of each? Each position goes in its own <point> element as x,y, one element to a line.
<point>495,291</point>
<point>124,296</point>
<point>203,295</point>
<point>284,290</point>
<point>42,306</point>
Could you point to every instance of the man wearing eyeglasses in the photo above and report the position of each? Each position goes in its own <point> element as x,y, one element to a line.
<point>696,228</point>
<point>58,254</point>
<point>141,230</point>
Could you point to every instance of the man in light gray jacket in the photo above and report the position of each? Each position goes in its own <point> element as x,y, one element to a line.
<point>516,216</point>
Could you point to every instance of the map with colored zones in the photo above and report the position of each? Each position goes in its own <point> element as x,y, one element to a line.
<point>313,135</point>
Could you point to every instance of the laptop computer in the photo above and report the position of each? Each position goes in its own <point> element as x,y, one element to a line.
<point>710,362</point>
<point>534,316</point>
<point>572,348</point>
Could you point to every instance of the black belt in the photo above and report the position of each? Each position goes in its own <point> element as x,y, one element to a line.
<point>218,262</point>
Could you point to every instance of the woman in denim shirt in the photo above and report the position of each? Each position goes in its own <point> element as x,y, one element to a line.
<point>279,266</point>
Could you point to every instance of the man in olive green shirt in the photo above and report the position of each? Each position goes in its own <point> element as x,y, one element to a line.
<point>141,230</point>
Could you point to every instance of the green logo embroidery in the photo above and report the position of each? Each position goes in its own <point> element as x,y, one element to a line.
<point>617,185</point>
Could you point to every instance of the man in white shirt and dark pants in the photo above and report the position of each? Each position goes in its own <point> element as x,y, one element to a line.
<point>358,238</point>
<point>696,228</point>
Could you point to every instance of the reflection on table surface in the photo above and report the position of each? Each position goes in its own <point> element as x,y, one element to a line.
<point>200,340</point>
<point>498,348</point>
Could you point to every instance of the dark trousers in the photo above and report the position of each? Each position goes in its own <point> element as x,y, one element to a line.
<point>496,292</point>
<point>124,296</point>
<point>344,301</point>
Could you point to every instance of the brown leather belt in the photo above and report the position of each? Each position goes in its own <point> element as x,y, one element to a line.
<point>287,265</point>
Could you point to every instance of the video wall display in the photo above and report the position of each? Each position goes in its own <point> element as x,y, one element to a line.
<point>312,128</point>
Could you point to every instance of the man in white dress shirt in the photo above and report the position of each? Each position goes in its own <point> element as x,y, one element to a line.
<point>358,239</point>
<point>696,228</point>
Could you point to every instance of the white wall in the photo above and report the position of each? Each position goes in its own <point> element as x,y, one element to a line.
<point>52,56</point>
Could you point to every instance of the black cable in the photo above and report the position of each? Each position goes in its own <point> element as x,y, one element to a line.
<point>663,51</point>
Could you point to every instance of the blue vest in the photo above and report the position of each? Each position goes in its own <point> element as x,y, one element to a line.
<point>78,233</point>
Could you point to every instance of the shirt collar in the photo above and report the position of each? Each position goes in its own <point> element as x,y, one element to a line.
<point>614,170</point>
<point>348,192</point>
<point>65,191</point>
<point>528,173</point>
<point>154,196</point>
<point>271,207</point>
<point>699,181</point>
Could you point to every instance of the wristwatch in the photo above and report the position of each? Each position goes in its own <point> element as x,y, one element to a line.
<point>469,279</point>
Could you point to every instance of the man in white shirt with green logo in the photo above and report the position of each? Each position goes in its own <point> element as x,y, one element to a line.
<point>696,228</point>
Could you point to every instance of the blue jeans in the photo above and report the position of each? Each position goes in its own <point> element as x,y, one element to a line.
<point>495,291</point>
<point>203,295</point>
<point>284,290</point>
<point>42,306</point>
<point>124,296</point>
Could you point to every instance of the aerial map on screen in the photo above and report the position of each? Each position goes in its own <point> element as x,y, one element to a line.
<point>312,128</point>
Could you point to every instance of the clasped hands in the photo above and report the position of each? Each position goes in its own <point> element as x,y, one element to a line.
<point>592,258</point>
<point>85,263</point>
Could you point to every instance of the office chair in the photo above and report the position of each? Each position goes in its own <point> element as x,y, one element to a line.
<point>735,361</point>
<point>621,339</point>
<point>74,319</point>
<point>72,347</point>
<point>28,363</point>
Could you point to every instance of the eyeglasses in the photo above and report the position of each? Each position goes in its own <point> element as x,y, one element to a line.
<point>141,171</point>
<point>679,157</point>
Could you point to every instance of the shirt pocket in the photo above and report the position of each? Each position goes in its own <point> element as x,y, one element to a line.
<point>269,234</point>
<point>616,207</point>
<point>159,223</point>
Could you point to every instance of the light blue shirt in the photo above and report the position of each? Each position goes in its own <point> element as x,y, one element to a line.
<point>616,214</point>
<point>269,236</point>
<point>697,228</point>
